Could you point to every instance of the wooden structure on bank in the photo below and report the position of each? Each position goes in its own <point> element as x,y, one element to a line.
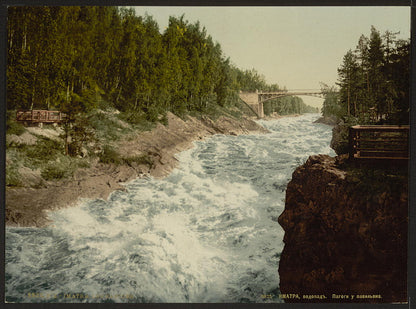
<point>40,116</point>
<point>379,143</point>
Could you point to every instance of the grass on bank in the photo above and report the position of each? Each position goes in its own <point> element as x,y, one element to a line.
<point>215,111</point>
<point>46,157</point>
<point>110,155</point>
<point>12,126</point>
<point>95,133</point>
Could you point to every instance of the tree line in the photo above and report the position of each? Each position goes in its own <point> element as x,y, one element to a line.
<point>373,81</point>
<point>75,59</point>
<point>288,105</point>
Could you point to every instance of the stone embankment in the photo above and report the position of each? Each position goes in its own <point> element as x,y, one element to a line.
<point>345,233</point>
<point>29,206</point>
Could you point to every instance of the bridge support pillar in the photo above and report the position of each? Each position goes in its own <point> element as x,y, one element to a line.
<point>253,100</point>
<point>260,110</point>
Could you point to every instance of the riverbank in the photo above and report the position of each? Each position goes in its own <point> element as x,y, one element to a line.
<point>221,204</point>
<point>26,206</point>
<point>328,120</point>
<point>345,233</point>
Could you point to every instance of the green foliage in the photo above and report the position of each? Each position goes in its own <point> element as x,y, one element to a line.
<point>215,111</point>
<point>110,155</point>
<point>251,81</point>
<point>81,134</point>
<point>107,126</point>
<point>373,81</point>
<point>138,120</point>
<point>33,156</point>
<point>14,127</point>
<point>46,155</point>
<point>163,119</point>
<point>77,59</point>
<point>54,171</point>
<point>287,106</point>
<point>44,148</point>
<point>331,106</point>
<point>13,178</point>
<point>61,167</point>
<point>340,134</point>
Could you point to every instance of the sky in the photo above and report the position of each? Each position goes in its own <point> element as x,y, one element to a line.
<point>295,47</point>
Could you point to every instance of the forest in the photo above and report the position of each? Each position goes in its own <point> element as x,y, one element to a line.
<point>79,59</point>
<point>373,82</point>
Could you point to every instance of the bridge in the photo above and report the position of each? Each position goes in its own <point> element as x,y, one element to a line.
<point>255,100</point>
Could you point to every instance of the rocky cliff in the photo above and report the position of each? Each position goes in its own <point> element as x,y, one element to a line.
<point>345,233</point>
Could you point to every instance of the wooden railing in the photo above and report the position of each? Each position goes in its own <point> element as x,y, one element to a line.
<point>379,142</point>
<point>40,116</point>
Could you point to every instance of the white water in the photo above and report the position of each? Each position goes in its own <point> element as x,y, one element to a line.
<point>206,233</point>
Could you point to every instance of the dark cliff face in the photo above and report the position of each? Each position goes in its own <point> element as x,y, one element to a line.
<point>345,232</point>
<point>339,141</point>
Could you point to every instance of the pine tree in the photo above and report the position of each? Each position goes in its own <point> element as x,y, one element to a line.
<point>376,79</point>
<point>349,83</point>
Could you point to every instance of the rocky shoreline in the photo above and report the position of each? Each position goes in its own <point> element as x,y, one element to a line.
<point>345,233</point>
<point>28,207</point>
<point>330,120</point>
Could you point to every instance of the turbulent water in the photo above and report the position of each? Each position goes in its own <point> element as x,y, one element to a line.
<point>206,233</point>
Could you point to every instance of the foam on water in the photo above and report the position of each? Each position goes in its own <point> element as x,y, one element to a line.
<point>206,233</point>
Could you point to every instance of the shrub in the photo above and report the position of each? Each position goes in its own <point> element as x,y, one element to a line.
<point>62,167</point>
<point>45,149</point>
<point>104,104</point>
<point>215,111</point>
<point>82,163</point>
<point>81,134</point>
<point>13,178</point>
<point>163,119</point>
<point>109,155</point>
<point>139,120</point>
<point>54,170</point>
<point>12,126</point>
<point>104,127</point>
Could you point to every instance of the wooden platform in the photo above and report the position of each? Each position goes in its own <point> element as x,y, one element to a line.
<point>379,143</point>
<point>40,116</point>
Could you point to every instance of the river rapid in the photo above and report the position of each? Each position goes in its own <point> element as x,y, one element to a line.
<point>206,233</point>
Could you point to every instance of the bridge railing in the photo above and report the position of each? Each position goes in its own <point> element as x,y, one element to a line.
<point>372,142</point>
<point>37,116</point>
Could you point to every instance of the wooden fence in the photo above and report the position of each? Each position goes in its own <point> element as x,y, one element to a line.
<point>40,116</point>
<point>374,143</point>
